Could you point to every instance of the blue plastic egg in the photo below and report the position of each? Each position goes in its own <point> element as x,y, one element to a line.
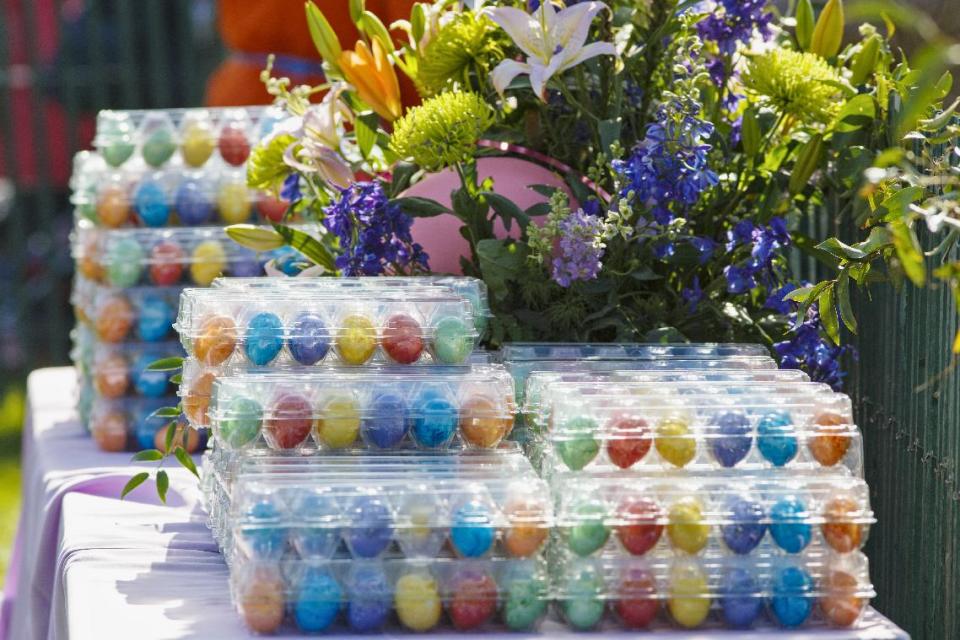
<point>264,338</point>
<point>145,424</point>
<point>150,201</point>
<point>371,527</point>
<point>789,524</point>
<point>746,529</point>
<point>792,600</point>
<point>194,203</point>
<point>731,442</point>
<point>262,531</point>
<point>317,600</point>
<point>435,419</point>
<point>319,536</point>
<point>152,384</point>
<point>385,421</point>
<point>368,597</point>
<point>156,316</point>
<point>740,601</point>
<point>777,438</point>
<point>472,533</point>
<point>244,263</point>
<point>309,339</point>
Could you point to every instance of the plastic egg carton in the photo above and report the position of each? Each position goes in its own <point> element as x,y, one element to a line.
<point>463,407</point>
<point>582,351</point>
<point>697,433</point>
<point>165,257</point>
<point>730,592</point>
<point>131,424</point>
<point>122,369</point>
<point>349,596</point>
<point>278,327</point>
<point>134,314</point>
<point>759,515</point>
<point>473,289</point>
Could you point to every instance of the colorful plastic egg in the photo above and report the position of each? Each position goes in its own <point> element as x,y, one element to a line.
<point>675,442</point>
<point>89,263</point>
<point>309,339</point>
<point>629,440</point>
<point>233,144</point>
<point>686,528</point>
<point>111,376</point>
<point>156,316</point>
<point>260,599</point>
<point>589,532</point>
<point>216,340</point>
<point>150,203</point>
<point>196,399</point>
<point>434,419</point>
<point>840,603</point>
<point>689,601</point>
<point>240,422</point>
<point>452,340</point>
<point>191,445</point>
<point>777,438</point>
<point>272,209</point>
<point>368,597</point>
<point>146,425</point>
<point>740,603</point>
<point>125,260</point>
<point>840,528</point>
<point>746,526</point>
<point>159,144</point>
<point>417,601</point>
<point>731,442</point>
<point>113,206</point>
<point>197,142</point>
<point>356,339</point>
<point>418,530</point>
<point>402,339</point>
<point>528,527</point>
<point>339,422</point>
<point>582,604</point>
<point>831,438</point>
<point>789,524</point>
<point>472,533</point>
<point>109,431</point>
<point>261,530</point>
<point>385,422</point>
<point>317,600</point>
<point>115,137</point>
<point>483,422</point>
<point>473,599</point>
<point>166,263</point>
<point>233,201</point>
<point>114,319</point>
<point>524,599</point>
<point>152,384</point>
<point>194,202</point>
<point>792,601</point>
<point>290,421</point>
<point>371,527</point>
<point>577,445</point>
<point>263,339</point>
<point>640,527</point>
<point>208,261</point>
<point>637,604</point>
<point>244,263</point>
<point>319,535</point>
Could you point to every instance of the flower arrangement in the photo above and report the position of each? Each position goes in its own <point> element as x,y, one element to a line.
<point>695,141</point>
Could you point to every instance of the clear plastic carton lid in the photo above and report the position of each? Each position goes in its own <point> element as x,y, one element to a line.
<point>560,351</point>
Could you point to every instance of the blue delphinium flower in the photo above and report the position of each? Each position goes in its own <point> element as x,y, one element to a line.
<point>374,234</point>
<point>693,294</point>
<point>735,21</point>
<point>766,244</point>
<point>580,249</point>
<point>290,191</point>
<point>809,350</point>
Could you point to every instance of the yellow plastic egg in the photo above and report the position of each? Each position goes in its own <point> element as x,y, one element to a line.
<point>209,261</point>
<point>340,423</point>
<point>417,601</point>
<point>356,339</point>
<point>689,602</point>
<point>675,443</point>
<point>686,528</point>
<point>197,144</point>
<point>233,199</point>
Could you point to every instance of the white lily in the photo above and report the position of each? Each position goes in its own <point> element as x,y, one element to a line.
<point>319,139</point>
<point>553,39</point>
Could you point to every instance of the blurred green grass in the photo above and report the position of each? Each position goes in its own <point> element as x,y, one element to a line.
<point>11,423</point>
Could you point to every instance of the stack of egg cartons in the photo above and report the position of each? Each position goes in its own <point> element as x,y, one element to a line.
<point>150,203</point>
<point>359,476</point>
<point>708,489</point>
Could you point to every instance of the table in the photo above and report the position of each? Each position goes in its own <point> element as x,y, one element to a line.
<point>94,567</point>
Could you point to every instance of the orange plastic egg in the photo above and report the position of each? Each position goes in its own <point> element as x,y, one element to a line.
<point>528,528</point>
<point>840,603</point>
<point>831,439</point>
<point>196,401</point>
<point>114,319</point>
<point>113,207</point>
<point>217,340</point>
<point>193,439</point>
<point>840,530</point>
<point>110,431</point>
<point>111,376</point>
<point>483,423</point>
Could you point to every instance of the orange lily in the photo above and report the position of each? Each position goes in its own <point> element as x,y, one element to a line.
<point>374,78</point>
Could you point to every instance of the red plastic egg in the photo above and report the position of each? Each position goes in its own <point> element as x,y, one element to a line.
<point>166,263</point>
<point>402,339</point>
<point>473,600</point>
<point>272,209</point>
<point>290,421</point>
<point>640,529</point>
<point>630,441</point>
<point>233,144</point>
<point>637,605</point>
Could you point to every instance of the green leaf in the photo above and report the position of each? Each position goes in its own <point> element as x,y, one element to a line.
<point>169,436</point>
<point>878,239</point>
<point>942,120</point>
<point>418,22</point>
<point>857,113</point>
<point>166,412</point>
<point>401,176</point>
<point>507,209</point>
<point>185,460</point>
<point>812,296</point>
<point>808,246</point>
<point>909,251</point>
<point>323,36</point>
<point>254,237</point>
<point>148,455</point>
<point>500,261</point>
<point>843,302</point>
<point>176,378</point>
<point>609,133</point>
<point>804,24</point>
<point>750,132</point>
<point>356,8</point>
<point>841,250</point>
<point>865,61</point>
<point>166,364</point>
<point>163,484</point>
<point>828,33</point>
<point>828,314</point>
<point>133,483</point>
<point>897,206</point>
<point>420,207</point>
<point>810,156</point>
<point>800,294</point>
<point>370,24</point>
<point>309,246</point>
<point>544,189</point>
<point>365,127</point>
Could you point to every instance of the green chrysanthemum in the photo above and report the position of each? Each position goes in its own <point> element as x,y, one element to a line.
<point>467,43</point>
<point>443,131</point>
<point>802,85</point>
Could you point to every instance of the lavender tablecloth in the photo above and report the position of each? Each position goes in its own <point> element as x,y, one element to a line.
<point>92,567</point>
